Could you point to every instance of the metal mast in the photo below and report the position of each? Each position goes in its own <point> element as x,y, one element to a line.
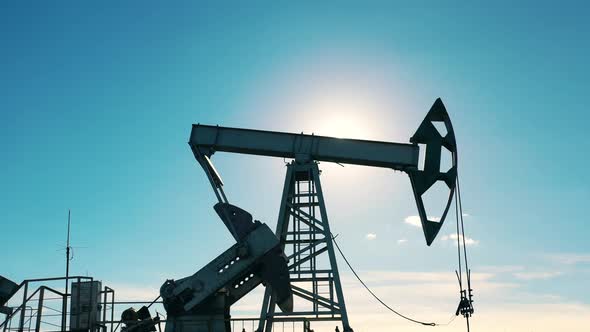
<point>65,305</point>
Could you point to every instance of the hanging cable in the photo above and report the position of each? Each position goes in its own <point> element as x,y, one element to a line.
<point>381,301</point>
<point>458,272</point>
<point>465,306</point>
<point>462,228</point>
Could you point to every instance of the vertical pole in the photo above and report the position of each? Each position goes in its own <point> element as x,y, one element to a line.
<point>63,312</point>
<point>39,309</point>
<point>30,320</point>
<point>65,302</point>
<point>104,308</point>
<point>329,243</point>
<point>312,199</point>
<point>21,324</point>
<point>92,309</point>
<point>112,308</point>
<point>79,306</point>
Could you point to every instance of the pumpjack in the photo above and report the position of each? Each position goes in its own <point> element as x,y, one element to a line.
<point>296,263</point>
<point>298,259</point>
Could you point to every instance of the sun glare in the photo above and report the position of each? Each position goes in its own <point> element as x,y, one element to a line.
<point>342,117</point>
<point>343,126</point>
<point>344,100</point>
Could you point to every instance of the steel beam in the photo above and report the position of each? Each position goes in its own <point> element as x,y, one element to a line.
<point>207,139</point>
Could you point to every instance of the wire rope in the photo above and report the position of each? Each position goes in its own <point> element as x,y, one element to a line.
<point>379,299</point>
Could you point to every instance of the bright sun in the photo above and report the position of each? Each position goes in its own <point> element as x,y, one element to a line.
<point>341,117</point>
<point>343,126</point>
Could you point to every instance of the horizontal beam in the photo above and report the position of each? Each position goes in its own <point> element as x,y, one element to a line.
<point>304,313</point>
<point>205,140</point>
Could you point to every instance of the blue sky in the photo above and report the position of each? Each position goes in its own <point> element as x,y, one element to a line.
<point>97,102</point>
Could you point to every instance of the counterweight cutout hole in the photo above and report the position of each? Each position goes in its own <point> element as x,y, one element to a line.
<point>446,160</point>
<point>434,200</point>
<point>440,127</point>
<point>421,156</point>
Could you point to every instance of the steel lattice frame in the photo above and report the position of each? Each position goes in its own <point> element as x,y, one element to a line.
<point>304,232</point>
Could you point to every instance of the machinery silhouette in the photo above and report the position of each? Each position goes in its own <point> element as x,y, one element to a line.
<point>289,262</point>
<point>296,263</point>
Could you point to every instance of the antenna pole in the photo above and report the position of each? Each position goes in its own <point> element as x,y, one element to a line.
<point>67,267</point>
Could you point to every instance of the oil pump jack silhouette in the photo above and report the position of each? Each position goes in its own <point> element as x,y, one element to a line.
<point>299,261</point>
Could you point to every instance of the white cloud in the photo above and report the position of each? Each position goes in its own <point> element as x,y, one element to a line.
<point>570,258</point>
<point>466,214</point>
<point>468,241</point>
<point>501,269</point>
<point>537,275</point>
<point>415,220</point>
<point>127,292</point>
<point>371,236</point>
<point>401,241</point>
<point>382,277</point>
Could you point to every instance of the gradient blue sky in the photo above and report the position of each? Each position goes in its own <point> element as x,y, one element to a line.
<point>97,102</point>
